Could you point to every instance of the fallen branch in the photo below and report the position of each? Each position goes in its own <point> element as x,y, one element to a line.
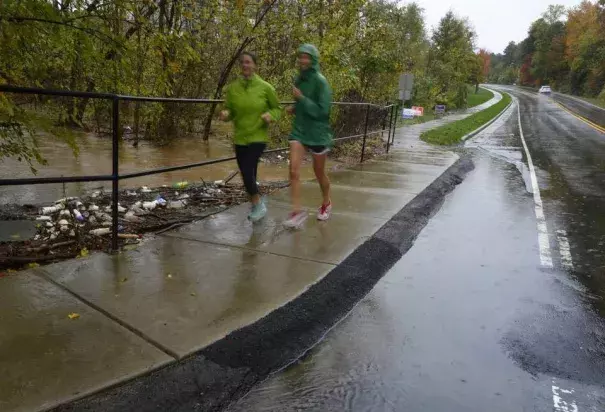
<point>51,247</point>
<point>231,176</point>
<point>156,216</point>
<point>164,225</point>
<point>173,226</point>
<point>127,236</point>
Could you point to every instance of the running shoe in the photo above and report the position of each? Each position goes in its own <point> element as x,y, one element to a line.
<point>258,211</point>
<point>295,220</point>
<point>324,212</point>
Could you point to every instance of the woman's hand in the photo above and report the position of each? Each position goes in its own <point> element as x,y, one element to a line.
<point>297,93</point>
<point>267,118</point>
<point>224,115</point>
<point>290,110</point>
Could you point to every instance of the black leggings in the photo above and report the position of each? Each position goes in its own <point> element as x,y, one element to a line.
<point>247,161</point>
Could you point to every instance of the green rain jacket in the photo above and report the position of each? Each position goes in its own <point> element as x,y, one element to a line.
<point>247,100</point>
<point>311,125</point>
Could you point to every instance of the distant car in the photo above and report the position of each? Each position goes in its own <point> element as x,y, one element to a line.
<point>545,90</point>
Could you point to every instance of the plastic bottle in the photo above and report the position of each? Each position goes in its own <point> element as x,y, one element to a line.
<point>78,215</point>
<point>152,205</point>
<point>44,218</point>
<point>176,204</point>
<point>131,217</point>
<point>100,232</point>
<point>52,209</point>
<point>65,200</point>
<point>181,185</point>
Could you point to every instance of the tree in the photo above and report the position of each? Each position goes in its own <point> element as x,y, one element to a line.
<point>452,59</point>
<point>189,48</point>
<point>485,57</point>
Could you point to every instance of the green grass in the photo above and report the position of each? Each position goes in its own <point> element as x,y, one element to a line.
<point>450,134</point>
<point>427,117</point>
<point>482,96</point>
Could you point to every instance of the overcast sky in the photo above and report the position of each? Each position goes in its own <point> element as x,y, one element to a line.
<point>496,21</point>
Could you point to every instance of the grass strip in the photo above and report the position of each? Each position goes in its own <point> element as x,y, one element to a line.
<point>475,99</point>
<point>450,134</point>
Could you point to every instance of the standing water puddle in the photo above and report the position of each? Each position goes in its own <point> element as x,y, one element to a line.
<point>95,158</point>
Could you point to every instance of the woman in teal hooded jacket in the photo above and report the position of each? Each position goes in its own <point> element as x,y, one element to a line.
<point>310,131</point>
<point>251,103</point>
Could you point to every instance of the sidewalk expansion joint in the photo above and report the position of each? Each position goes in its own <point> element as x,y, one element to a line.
<point>250,249</point>
<point>46,276</point>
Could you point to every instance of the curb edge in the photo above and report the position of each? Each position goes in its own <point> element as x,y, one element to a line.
<point>214,377</point>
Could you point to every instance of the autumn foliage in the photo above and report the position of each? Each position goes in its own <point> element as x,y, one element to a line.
<point>564,48</point>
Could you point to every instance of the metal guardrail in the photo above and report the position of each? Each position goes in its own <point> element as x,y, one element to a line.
<point>115,175</point>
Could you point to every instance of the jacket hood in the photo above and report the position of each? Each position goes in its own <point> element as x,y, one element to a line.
<point>313,52</point>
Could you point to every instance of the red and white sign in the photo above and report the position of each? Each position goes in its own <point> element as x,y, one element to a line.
<point>419,111</point>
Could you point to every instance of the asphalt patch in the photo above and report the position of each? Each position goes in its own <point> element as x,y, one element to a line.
<point>223,372</point>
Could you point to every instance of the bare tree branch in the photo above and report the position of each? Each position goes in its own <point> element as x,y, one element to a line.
<point>95,33</point>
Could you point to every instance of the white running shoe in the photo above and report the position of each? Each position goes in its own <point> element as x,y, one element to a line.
<point>295,220</point>
<point>324,212</point>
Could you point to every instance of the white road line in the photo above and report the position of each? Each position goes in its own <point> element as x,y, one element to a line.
<point>543,239</point>
<point>560,404</point>
<point>564,249</point>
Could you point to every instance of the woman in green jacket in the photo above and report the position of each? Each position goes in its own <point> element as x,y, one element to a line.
<point>310,131</point>
<point>251,103</point>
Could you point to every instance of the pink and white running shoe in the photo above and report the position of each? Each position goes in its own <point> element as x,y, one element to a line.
<point>295,220</point>
<point>324,212</point>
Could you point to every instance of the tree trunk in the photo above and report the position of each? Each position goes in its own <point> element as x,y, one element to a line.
<point>83,103</point>
<point>221,83</point>
<point>227,70</point>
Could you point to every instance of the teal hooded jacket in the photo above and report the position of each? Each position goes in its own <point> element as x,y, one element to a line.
<point>311,124</point>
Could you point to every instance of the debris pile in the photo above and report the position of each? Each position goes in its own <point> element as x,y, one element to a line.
<point>72,224</point>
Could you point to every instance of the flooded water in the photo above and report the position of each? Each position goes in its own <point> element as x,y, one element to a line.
<point>95,158</point>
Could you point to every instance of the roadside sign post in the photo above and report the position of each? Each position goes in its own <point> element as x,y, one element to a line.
<point>406,86</point>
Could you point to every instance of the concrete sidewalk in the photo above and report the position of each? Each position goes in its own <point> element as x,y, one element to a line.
<point>180,292</point>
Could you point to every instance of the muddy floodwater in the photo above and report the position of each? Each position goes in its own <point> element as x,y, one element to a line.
<point>95,158</point>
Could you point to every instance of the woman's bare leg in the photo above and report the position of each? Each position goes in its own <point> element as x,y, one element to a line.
<point>319,167</point>
<point>297,152</point>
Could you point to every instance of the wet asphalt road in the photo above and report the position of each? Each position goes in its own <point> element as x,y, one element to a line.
<point>591,112</point>
<point>471,319</point>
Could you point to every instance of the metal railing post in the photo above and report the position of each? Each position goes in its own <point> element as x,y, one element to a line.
<point>365,133</point>
<point>384,124</point>
<point>390,126</point>
<point>395,124</point>
<point>115,117</point>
